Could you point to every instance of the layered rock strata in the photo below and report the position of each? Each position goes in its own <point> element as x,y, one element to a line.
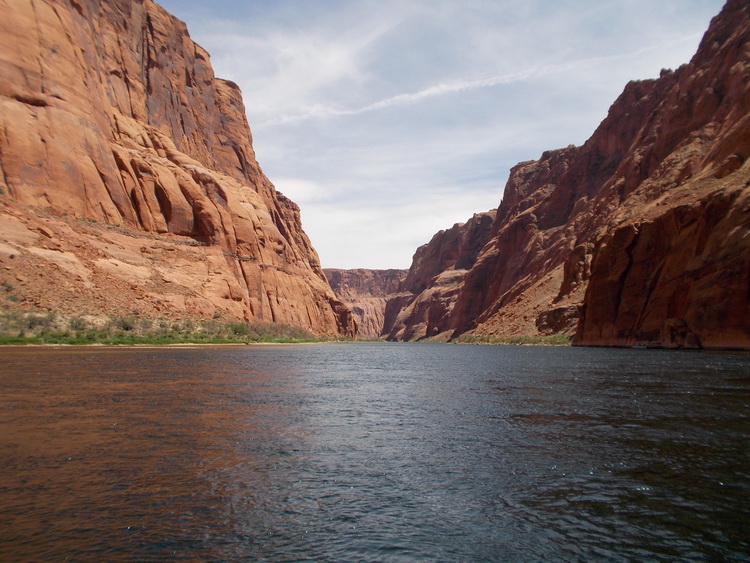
<point>366,293</point>
<point>639,237</point>
<point>127,169</point>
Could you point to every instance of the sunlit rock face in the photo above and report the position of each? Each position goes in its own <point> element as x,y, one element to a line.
<point>127,164</point>
<point>639,237</point>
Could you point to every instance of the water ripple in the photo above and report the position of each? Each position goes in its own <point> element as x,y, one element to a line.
<point>374,452</point>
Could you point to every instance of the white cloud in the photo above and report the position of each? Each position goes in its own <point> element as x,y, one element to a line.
<point>389,120</point>
<point>301,190</point>
<point>363,236</point>
<point>457,86</point>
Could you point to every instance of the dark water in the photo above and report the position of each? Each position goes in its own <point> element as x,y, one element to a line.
<point>374,452</point>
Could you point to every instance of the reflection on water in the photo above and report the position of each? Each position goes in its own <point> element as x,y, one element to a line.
<point>374,452</point>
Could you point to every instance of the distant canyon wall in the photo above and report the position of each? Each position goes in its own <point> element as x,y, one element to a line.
<point>639,237</point>
<point>366,293</point>
<point>127,168</point>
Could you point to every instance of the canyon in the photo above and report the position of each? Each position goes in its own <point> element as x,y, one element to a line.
<point>640,237</point>
<point>129,186</point>
<point>128,179</point>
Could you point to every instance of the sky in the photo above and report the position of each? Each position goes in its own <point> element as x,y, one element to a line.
<point>389,120</point>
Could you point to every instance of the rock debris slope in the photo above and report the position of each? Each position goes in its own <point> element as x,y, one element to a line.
<point>639,237</point>
<point>129,180</point>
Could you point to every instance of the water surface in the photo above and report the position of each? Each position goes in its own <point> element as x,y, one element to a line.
<point>388,452</point>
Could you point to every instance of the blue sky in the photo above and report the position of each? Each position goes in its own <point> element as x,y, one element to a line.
<point>389,120</point>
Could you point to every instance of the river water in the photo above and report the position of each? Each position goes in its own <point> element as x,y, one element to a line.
<point>374,452</point>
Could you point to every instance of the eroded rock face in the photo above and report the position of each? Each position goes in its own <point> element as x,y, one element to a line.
<point>678,280</point>
<point>643,232</point>
<point>110,113</point>
<point>424,302</point>
<point>683,264</point>
<point>366,292</point>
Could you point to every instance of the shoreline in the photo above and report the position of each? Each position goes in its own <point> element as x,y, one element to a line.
<point>166,345</point>
<point>207,345</point>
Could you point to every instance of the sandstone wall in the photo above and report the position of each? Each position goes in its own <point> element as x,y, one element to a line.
<point>639,237</point>
<point>111,114</point>
<point>366,293</point>
<point>424,302</point>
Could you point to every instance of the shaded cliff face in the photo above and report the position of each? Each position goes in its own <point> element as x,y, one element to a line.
<point>112,115</point>
<point>642,235</point>
<point>679,274</point>
<point>366,292</point>
<point>425,299</point>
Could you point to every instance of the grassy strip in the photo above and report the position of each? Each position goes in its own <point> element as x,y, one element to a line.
<point>20,327</point>
<point>528,340</point>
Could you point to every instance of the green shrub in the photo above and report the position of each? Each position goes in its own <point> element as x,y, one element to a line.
<point>22,327</point>
<point>124,323</point>
<point>40,320</point>
<point>78,324</point>
<point>239,329</point>
<point>521,340</point>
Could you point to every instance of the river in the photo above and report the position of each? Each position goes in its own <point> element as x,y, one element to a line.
<point>374,452</point>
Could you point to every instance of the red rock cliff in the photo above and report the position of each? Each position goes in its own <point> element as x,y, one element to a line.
<point>425,299</point>
<point>366,292</point>
<point>642,235</point>
<point>111,114</point>
<point>678,273</point>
